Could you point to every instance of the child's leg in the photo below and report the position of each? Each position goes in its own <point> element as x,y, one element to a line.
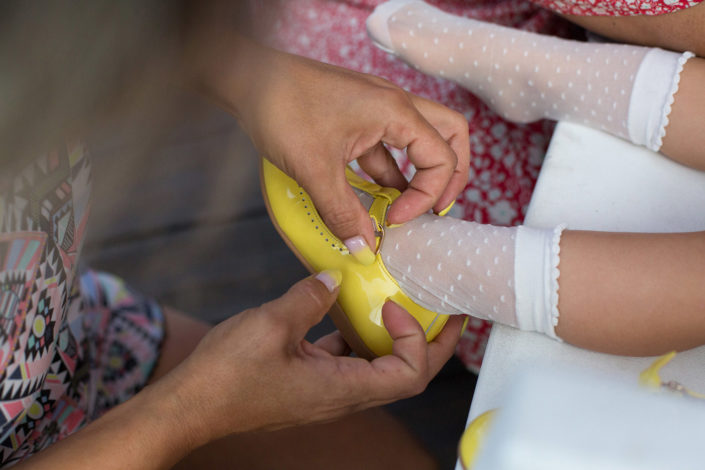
<point>622,293</point>
<point>622,89</point>
<point>503,274</point>
<point>685,140</point>
<point>632,293</point>
<point>681,31</point>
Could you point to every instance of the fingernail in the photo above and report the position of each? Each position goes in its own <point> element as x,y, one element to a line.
<point>331,278</point>
<point>447,209</point>
<point>360,250</point>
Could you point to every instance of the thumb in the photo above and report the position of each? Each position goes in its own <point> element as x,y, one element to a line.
<point>306,302</point>
<point>345,216</point>
<point>408,336</point>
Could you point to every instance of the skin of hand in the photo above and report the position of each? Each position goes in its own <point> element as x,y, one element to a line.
<point>311,119</point>
<point>255,371</point>
<point>333,116</point>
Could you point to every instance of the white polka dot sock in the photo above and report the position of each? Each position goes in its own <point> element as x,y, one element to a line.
<point>503,274</point>
<point>622,89</point>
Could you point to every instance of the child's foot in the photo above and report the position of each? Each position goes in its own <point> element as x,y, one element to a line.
<point>504,274</point>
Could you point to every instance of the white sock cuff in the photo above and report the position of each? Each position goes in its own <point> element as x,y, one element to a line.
<point>655,85</point>
<point>536,260</point>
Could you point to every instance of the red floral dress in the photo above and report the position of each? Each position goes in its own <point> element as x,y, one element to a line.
<point>616,8</point>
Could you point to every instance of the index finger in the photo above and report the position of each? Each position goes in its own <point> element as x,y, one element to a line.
<point>406,371</point>
<point>443,345</point>
<point>434,160</point>
<point>426,359</point>
<point>453,127</point>
<point>403,373</point>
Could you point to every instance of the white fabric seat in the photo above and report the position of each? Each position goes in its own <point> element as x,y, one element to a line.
<point>594,181</point>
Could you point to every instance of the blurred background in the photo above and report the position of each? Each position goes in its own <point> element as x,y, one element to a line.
<point>176,209</point>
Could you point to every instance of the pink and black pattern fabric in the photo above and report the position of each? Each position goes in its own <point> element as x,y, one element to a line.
<point>616,8</point>
<point>71,346</point>
<point>505,157</point>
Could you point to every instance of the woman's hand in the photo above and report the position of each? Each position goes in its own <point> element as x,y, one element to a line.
<point>311,119</point>
<point>256,371</point>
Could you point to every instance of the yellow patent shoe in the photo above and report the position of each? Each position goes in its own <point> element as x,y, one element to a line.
<point>651,378</point>
<point>364,289</point>
<point>473,438</point>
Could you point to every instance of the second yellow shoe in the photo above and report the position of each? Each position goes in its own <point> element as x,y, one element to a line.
<point>364,289</point>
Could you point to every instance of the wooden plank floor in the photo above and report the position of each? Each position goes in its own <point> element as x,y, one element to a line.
<point>177,212</point>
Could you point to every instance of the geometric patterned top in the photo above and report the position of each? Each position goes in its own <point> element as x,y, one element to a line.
<point>61,362</point>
